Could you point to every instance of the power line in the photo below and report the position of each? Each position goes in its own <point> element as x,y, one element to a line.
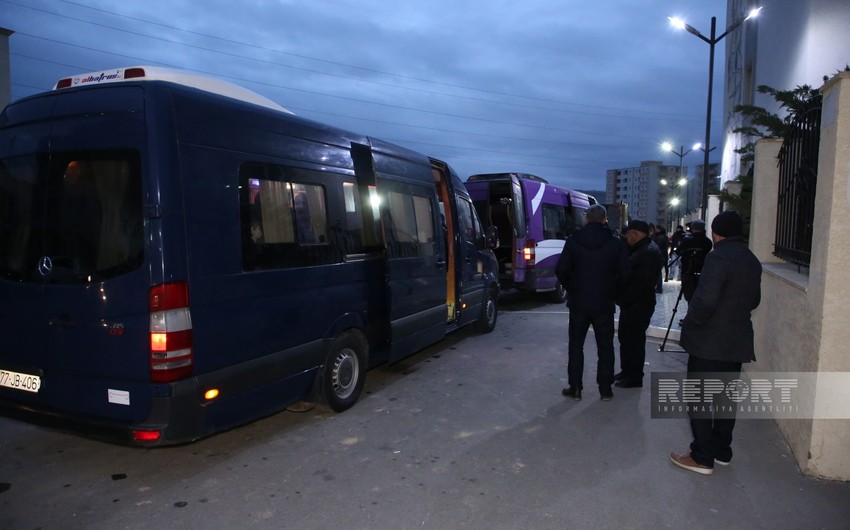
<point>648,115</point>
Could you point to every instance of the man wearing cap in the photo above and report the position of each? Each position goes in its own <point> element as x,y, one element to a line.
<point>717,333</point>
<point>637,303</point>
<point>591,268</point>
<point>693,250</point>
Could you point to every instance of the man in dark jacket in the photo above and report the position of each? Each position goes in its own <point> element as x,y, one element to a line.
<point>637,303</point>
<point>717,333</point>
<point>693,250</point>
<point>593,263</point>
<point>675,241</point>
<point>663,243</point>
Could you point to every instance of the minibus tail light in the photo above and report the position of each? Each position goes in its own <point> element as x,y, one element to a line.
<point>171,355</point>
<point>64,83</point>
<point>528,253</point>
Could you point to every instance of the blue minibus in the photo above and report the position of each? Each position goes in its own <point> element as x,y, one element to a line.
<point>179,256</point>
<point>533,219</point>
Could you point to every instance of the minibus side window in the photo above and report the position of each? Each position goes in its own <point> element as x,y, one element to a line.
<point>285,220</point>
<point>577,218</point>
<point>410,230</point>
<point>424,225</point>
<point>556,223</point>
<point>468,223</point>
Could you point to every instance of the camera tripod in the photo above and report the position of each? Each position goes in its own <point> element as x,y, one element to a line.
<point>678,299</point>
<point>670,325</point>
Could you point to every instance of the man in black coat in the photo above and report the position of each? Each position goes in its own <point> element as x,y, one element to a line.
<point>663,243</point>
<point>717,333</point>
<point>675,241</point>
<point>593,263</point>
<point>693,250</point>
<point>637,303</point>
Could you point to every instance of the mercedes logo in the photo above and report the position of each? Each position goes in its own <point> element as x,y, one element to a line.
<point>45,265</point>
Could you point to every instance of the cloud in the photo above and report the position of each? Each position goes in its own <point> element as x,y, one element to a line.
<point>565,90</point>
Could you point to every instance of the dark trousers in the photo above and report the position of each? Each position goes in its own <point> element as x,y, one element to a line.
<point>602,321</point>
<point>689,285</point>
<point>632,334</point>
<point>712,430</point>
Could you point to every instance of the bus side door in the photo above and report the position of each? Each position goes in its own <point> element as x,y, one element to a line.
<point>416,274</point>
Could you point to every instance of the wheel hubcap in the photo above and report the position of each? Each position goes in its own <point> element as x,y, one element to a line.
<point>344,374</point>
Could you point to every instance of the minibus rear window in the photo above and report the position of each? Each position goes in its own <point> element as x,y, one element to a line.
<point>70,218</point>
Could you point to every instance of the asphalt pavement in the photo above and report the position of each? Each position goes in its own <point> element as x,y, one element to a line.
<point>471,433</point>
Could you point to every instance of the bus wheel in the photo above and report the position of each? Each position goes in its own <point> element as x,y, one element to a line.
<point>344,372</point>
<point>559,295</point>
<point>489,313</point>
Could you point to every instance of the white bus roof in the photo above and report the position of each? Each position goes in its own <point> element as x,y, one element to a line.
<point>157,73</point>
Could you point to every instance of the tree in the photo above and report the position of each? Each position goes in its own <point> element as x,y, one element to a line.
<point>763,124</point>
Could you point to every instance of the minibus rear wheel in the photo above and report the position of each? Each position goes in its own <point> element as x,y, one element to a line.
<point>344,372</point>
<point>559,295</point>
<point>489,313</point>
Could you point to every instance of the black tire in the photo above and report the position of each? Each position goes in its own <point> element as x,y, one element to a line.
<point>344,373</point>
<point>559,295</point>
<point>489,313</point>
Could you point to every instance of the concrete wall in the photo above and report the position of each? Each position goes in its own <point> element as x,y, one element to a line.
<point>801,325</point>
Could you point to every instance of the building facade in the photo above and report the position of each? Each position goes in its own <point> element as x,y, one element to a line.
<point>790,44</point>
<point>656,192</point>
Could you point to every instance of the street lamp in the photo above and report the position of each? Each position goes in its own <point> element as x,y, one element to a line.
<point>712,40</point>
<point>674,202</point>
<point>668,147</point>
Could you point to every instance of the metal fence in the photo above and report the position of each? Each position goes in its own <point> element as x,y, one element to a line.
<point>798,175</point>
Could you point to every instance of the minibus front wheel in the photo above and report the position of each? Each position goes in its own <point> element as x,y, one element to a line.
<point>489,312</point>
<point>344,372</point>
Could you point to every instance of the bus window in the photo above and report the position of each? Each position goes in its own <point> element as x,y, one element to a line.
<point>81,218</point>
<point>310,214</point>
<point>424,225</point>
<point>468,222</point>
<point>284,224</point>
<point>555,222</point>
<point>410,232</point>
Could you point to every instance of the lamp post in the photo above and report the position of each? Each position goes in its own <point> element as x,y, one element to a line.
<point>712,41</point>
<point>675,202</point>
<point>668,147</point>
<point>674,187</point>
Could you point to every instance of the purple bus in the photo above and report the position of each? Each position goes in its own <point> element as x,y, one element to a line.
<point>533,219</point>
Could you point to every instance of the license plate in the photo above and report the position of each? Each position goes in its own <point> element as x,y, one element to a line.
<point>19,381</point>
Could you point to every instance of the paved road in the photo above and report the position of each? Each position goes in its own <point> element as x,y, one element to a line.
<point>470,433</point>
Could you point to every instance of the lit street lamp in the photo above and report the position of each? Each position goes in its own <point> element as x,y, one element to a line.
<point>675,203</point>
<point>712,41</point>
<point>668,147</point>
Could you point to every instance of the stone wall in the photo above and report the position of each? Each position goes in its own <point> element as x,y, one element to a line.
<point>801,325</point>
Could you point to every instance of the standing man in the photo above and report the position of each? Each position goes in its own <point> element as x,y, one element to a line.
<point>591,267</point>
<point>717,333</point>
<point>637,303</point>
<point>663,243</point>
<point>693,250</point>
<point>676,240</point>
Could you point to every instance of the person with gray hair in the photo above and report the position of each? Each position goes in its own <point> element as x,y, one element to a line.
<point>592,267</point>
